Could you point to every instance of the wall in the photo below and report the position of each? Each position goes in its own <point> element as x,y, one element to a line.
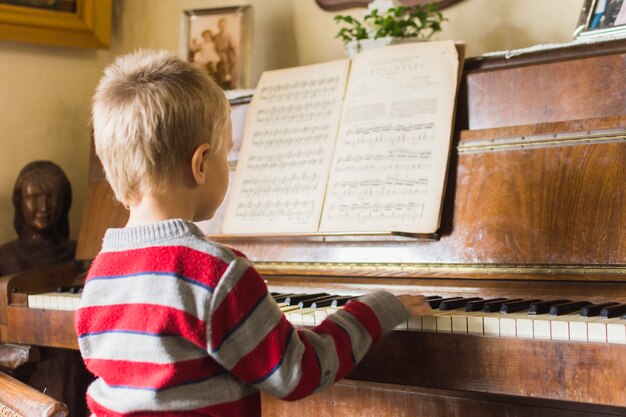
<point>485,25</point>
<point>45,92</point>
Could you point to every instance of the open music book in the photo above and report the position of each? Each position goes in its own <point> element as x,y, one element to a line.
<point>357,146</point>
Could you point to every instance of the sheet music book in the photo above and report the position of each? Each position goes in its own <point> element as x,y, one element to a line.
<point>357,146</point>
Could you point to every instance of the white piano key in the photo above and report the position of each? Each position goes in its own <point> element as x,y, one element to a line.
<point>475,322</point>
<point>491,324</point>
<point>578,328</point>
<point>616,332</point>
<point>596,330</point>
<point>34,301</point>
<point>429,322</point>
<point>321,315</point>
<point>508,323</point>
<point>404,326</point>
<point>75,303</point>
<point>559,327</point>
<point>444,319</point>
<point>296,317</point>
<point>541,326</point>
<point>308,319</point>
<point>459,322</point>
<point>524,328</point>
<point>414,324</point>
<point>49,301</point>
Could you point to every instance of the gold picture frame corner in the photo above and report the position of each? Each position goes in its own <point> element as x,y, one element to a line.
<point>88,27</point>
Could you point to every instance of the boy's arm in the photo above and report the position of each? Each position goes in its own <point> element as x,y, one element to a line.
<point>249,336</point>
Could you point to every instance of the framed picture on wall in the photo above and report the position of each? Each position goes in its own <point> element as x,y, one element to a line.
<point>79,23</point>
<point>218,42</point>
<point>602,18</point>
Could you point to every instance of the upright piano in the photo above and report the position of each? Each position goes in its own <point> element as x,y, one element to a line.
<point>535,208</point>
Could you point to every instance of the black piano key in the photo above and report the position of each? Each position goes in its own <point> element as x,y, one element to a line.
<point>613,311</point>
<point>279,298</point>
<point>542,307</point>
<point>478,305</point>
<point>452,304</point>
<point>495,306</point>
<point>336,301</point>
<point>433,297</point>
<point>295,299</point>
<point>72,289</point>
<point>595,309</point>
<point>515,306</point>
<point>566,308</point>
<point>309,301</point>
<point>436,302</point>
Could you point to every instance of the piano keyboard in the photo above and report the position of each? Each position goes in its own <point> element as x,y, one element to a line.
<point>65,298</point>
<point>529,319</point>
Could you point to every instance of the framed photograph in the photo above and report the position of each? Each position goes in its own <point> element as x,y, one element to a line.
<point>602,18</point>
<point>218,42</point>
<point>81,23</point>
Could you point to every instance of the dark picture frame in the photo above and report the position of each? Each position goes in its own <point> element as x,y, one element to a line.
<point>333,5</point>
<point>602,18</point>
<point>218,42</point>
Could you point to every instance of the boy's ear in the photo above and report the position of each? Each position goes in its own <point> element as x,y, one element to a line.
<point>199,163</point>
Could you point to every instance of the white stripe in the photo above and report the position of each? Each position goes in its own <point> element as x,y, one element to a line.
<point>165,290</point>
<point>238,344</point>
<point>190,241</point>
<point>217,390</point>
<point>138,348</point>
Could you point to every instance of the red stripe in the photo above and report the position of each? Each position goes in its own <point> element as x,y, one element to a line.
<point>266,355</point>
<point>193,264</point>
<point>310,371</point>
<point>237,305</point>
<point>343,346</point>
<point>149,318</point>
<point>153,375</point>
<point>366,316</point>
<point>249,406</point>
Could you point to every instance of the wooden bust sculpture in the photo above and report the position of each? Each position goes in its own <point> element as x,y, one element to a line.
<point>42,197</point>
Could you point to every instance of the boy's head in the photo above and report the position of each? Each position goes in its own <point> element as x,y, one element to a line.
<point>151,111</point>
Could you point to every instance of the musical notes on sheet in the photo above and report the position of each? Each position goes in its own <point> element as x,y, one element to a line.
<point>282,173</point>
<point>389,165</point>
<point>371,160</point>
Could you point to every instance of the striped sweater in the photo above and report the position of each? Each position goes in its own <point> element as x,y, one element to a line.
<point>173,324</point>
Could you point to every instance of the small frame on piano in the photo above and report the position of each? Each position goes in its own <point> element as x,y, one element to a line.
<point>218,42</point>
<point>602,19</point>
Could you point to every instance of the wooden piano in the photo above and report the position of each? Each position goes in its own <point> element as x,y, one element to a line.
<point>534,209</point>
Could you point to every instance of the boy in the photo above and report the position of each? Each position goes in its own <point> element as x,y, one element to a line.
<point>170,322</point>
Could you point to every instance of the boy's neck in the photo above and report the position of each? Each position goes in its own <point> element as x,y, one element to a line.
<point>154,209</point>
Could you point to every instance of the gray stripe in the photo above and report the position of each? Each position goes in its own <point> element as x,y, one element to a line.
<point>285,379</point>
<point>184,397</point>
<point>326,351</point>
<point>138,348</point>
<point>164,290</point>
<point>359,336</point>
<point>229,280</point>
<point>253,330</point>
<point>389,310</point>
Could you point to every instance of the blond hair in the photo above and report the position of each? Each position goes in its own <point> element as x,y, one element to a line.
<point>151,110</point>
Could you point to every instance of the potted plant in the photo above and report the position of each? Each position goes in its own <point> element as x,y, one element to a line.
<point>387,23</point>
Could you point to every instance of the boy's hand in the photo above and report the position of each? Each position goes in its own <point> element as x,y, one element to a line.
<point>416,304</point>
